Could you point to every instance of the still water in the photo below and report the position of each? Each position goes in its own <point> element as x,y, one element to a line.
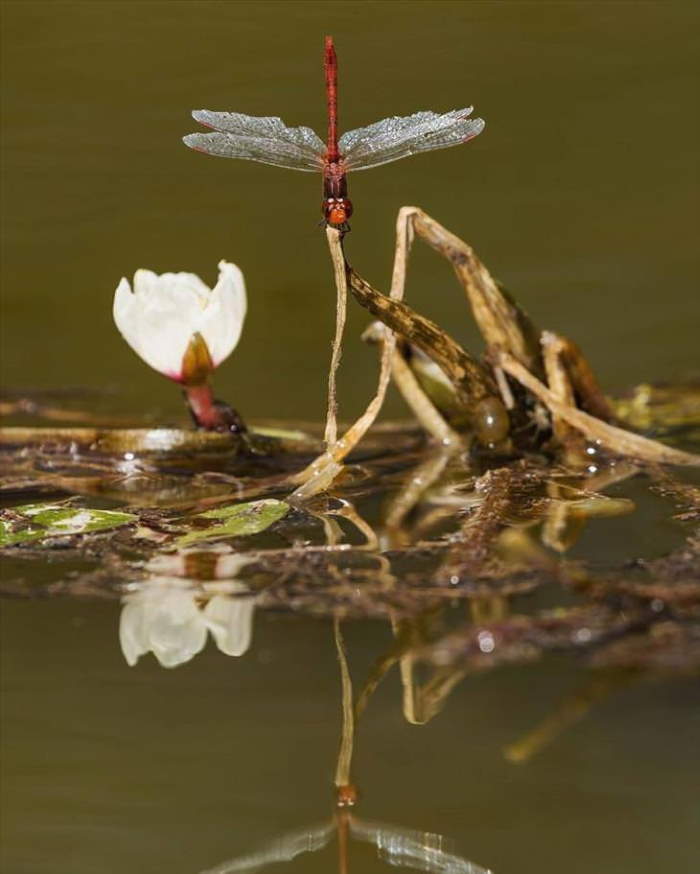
<point>581,196</point>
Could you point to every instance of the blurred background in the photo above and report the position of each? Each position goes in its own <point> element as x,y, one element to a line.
<point>581,194</point>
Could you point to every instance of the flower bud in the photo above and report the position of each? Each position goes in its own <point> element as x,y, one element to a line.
<point>177,324</point>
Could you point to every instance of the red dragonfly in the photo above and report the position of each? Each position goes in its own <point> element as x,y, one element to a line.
<point>268,140</point>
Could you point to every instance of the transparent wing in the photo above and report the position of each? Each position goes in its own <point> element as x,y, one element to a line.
<point>420,851</point>
<point>257,138</point>
<point>281,849</point>
<point>398,137</point>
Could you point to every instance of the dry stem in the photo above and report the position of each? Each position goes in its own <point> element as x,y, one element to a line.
<point>613,438</point>
<point>335,241</point>
<point>320,474</point>
<point>342,772</point>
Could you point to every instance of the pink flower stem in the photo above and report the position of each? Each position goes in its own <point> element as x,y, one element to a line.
<point>200,400</point>
<point>208,413</point>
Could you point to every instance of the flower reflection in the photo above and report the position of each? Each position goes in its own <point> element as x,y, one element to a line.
<point>169,618</point>
<point>230,621</point>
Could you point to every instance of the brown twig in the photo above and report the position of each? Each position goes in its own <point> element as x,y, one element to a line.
<point>613,438</point>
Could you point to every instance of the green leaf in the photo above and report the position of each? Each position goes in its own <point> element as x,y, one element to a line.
<point>34,522</point>
<point>238,520</point>
<point>8,537</point>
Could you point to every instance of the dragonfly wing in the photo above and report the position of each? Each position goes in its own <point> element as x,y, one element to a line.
<point>258,138</point>
<point>398,137</point>
<point>281,849</point>
<point>420,851</point>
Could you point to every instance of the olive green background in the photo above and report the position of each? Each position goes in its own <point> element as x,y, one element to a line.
<point>581,195</point>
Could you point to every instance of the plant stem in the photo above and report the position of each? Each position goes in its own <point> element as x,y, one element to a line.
<point>208,413</point>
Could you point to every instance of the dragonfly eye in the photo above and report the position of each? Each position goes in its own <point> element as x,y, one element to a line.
<point>337,210</point>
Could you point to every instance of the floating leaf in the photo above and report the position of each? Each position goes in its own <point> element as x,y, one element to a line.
<point>32,522</point>
<point>238,520</point>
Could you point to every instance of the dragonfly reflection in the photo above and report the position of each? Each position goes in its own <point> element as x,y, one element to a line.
<point>399,847</point>
<point>268,140</point>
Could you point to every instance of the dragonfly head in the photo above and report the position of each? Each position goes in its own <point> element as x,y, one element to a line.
<point>336,211</point>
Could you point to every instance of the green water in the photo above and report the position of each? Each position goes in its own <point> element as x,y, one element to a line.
<point>581,195</point>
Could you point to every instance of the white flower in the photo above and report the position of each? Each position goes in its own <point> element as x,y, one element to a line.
<point>164,618</point>
<point>167,315</point>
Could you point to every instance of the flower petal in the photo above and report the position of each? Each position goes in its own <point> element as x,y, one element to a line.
<point>123,312</point>
<point>176,627</point>
<point>152,323</point>
<point>132,639</point>
<point>221,322</point>
<point>183,292</point>
<point>144,281</point>
<point>230,621</point>
<point>160,316</point>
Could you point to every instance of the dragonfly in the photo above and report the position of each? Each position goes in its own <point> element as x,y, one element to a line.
<point>268,140</point>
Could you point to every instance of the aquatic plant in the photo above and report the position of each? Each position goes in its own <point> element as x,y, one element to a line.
<point>184,330</point>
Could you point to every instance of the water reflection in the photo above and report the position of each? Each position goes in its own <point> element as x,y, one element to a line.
<point>169,618</point>
<point>172,617</point>
<point>441,552</point>
<point>399,847</point>
<point>448,588</point>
